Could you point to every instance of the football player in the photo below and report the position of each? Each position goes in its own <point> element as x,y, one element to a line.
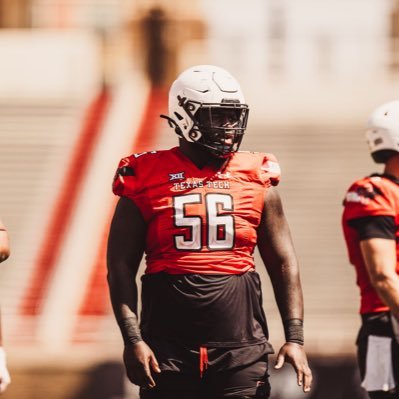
<point>4,254</point>
<point>197,211</point>
<point>370,224</point>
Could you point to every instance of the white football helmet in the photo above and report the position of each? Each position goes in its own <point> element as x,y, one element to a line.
<point>383,131</point>
<point>207,107</point>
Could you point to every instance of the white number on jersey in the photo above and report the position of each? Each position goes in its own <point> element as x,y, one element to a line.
<point>220,228</point>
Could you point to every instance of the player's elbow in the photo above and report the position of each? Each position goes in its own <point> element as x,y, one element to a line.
<point>110,277</point>
<point>381,281</point>
<point>114,279</point>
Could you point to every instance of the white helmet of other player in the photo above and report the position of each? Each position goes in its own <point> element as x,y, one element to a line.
<point>383,131</point>
<point>200,100</point>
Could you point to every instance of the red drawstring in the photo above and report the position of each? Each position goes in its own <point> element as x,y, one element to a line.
<point>203,360</point>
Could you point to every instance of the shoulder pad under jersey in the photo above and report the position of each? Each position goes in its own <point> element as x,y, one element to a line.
<point>370,196</point>
<point>270,169</point>
<point>125,181</point>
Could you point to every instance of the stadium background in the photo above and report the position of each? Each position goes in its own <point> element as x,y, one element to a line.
<point>82,83</point>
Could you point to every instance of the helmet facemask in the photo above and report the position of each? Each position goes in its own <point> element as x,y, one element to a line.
<point>220,126</point>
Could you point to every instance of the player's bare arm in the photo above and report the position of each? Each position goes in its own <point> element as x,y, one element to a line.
<point>379,255</point>
<point>278,254</point>
<point>125,250</point>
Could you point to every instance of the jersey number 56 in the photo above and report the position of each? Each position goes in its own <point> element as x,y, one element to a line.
<point>219,234</point>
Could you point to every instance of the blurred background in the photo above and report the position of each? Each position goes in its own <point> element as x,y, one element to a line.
<point>82,84</point>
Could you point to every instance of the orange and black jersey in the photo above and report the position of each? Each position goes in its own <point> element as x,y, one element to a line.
<point>371,210</point>
<point>199,286</point>
<point>198,220</point>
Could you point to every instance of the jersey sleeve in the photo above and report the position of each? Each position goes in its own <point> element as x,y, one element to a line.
<point>125,181</point>
<point>381,226</point>
<point>369,197</point>
<point>270,170</point>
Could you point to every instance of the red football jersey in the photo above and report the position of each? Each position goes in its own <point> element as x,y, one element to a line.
<point>198,220</point>
<point>371,196</point>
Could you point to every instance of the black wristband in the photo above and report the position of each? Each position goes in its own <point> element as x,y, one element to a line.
<point>293,330</point>
<point>130,330</point>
